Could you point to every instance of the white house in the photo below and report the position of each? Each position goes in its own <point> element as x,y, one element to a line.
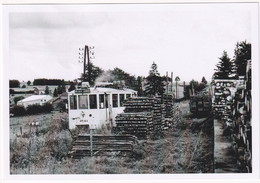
<point>34,99</point>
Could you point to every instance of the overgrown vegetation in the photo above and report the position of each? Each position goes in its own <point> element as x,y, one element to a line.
<point>181,150</point>
<point>31,109</point>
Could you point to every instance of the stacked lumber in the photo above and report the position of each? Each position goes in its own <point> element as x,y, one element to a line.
<point>102,145</point>
<point>139,104</point>
<point>139,124</point>
<point>223,96</point>
<point>142,117</point>
<point>232,102</point>
<point>242,128</point>
<point>168,101</point>
<point>158,115</point>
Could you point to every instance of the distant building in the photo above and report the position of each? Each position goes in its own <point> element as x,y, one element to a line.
<point>180,89</point>
<point>34,99</point>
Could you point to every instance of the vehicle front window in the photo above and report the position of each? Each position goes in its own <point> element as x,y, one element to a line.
<point>83,102</point>
<point>73,102</point>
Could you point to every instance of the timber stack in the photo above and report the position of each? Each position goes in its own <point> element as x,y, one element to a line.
<point>232,102</point>
<point>142,117</point>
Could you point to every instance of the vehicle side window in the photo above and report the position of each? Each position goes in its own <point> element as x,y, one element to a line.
<point>128,96</point>
<point>122,99</point>
<point>115,100</point>
<point>101,101</point>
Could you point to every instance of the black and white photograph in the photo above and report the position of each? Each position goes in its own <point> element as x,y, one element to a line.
<point>131,89</point>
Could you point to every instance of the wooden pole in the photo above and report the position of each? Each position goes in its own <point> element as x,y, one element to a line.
<point>172,81</point>
<point>89,68</point>
<point>84,64</point>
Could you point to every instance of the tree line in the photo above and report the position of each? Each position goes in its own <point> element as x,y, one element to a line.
<point>228,68</point>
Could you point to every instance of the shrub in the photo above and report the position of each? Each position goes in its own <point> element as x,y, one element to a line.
<point>61,106</point>
<point>14,83</point>
<point>18,110</point>
<point>47,108</point>
<point>59,144</point>
<point>34,109</point>
<point>16,99</point>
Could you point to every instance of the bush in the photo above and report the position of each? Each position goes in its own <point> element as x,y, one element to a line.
<point>47,108</point>
<point>14,83</point>
<point>16,99</point>
<point>61,106</point>
<point>18,110</point>
<point>36,108</point>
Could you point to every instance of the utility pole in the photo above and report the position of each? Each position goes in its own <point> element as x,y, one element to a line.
<point>86,55</point>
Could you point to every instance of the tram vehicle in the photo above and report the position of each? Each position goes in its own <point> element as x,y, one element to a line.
<point>200,105</point>
<point>97,106</point>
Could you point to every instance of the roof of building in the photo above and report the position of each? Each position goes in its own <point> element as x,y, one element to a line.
<point>35,97</point>
<point>108,90</point>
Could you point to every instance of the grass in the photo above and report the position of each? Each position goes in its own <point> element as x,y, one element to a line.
<point>181,150</point>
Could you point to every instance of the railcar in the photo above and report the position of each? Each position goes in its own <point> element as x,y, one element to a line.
<point>97,106</point>
<point>200,105</point>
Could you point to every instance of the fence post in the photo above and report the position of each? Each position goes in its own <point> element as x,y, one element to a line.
<point>91,142</point>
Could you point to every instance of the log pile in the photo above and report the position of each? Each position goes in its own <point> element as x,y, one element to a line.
<point>102,145</point>
<point>142,117</point>
<point>168,101</point>
<point>139,124</point>
<point>232,102</point>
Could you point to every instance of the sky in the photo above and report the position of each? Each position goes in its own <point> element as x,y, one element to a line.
<point>186,39</point>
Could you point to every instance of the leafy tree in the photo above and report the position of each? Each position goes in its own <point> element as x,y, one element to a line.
<point>119,74</point>
<point>29,83</point>
<point>16,99</point>
<point>154,85</point>
<point>14,83</point>
<point>24,86</point>
<point>242,55</point>
<point>47,91</point>
<point>11,91</point>
<point>43,81</point>
<point>224,67</point>
<point>92,72</point>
